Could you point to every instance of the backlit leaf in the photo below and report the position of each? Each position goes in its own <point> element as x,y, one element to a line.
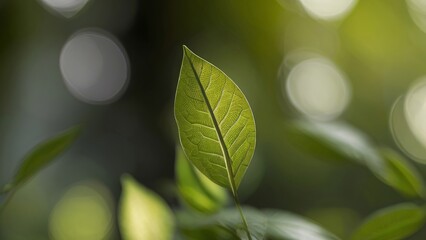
<point>216,125</point>
<point>143,214</point>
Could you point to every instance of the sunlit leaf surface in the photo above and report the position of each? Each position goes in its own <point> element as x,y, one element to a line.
<point>216,124</point>
<point>392,223</point>
<point>143,214</point>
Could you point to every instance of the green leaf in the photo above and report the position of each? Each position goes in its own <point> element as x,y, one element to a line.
<point>289,226</point>
<point>392,223</point>
<point>228,219</point>
<point>340,140</point>
<point>401,175</point>
<point>269,224</point>
<point>311,144</point>
<point>143,214</point>
<point>197,191</point>
<point>215,122</point>
<point>41,156</point>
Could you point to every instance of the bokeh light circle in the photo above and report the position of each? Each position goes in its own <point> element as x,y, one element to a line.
<point>83,213</point>
<point>417,10</point>
<point>318,89</point>
<point>415,109</point>
<point>402,133</point>
<point>95,67</point>
<point>67,8</point>
<point>328,9</point>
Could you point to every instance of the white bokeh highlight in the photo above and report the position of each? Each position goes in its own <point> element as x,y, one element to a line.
<point>318,89</point>
<point>95,67</point>
<point>417,11</point>
<point>402,133</point>
<point>328,9</point>
<point>415,109</point>
<point>67,8</point>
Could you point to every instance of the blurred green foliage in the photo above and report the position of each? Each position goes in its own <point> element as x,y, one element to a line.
<point>378,45</point>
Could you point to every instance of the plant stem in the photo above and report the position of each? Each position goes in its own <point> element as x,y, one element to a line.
<point>240,210</point>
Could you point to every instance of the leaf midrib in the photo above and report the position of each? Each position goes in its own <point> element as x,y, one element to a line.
<point>223,147</point>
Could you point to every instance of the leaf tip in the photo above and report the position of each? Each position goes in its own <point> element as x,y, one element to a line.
<point>71,133</point>
<point>75,130</point>
<point>125,178</point>
<point>187,51</point>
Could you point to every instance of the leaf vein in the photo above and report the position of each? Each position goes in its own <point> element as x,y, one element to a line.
<point>229,108</point>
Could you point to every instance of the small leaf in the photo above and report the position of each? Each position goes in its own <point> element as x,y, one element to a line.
<point>311,144</point>
<point>392,223</point>
<point>340,140</point>
<point>41,156</point>
<point>143,214</point>
<point>215,122</point>
<point>228,219</point>
<point>401,175</point>
<point>197,190</point>
<point>289,226</point>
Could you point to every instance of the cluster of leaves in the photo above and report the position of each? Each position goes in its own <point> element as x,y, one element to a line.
<point>217,133</point>
<point>218,136</point>
<point>338,141</point>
